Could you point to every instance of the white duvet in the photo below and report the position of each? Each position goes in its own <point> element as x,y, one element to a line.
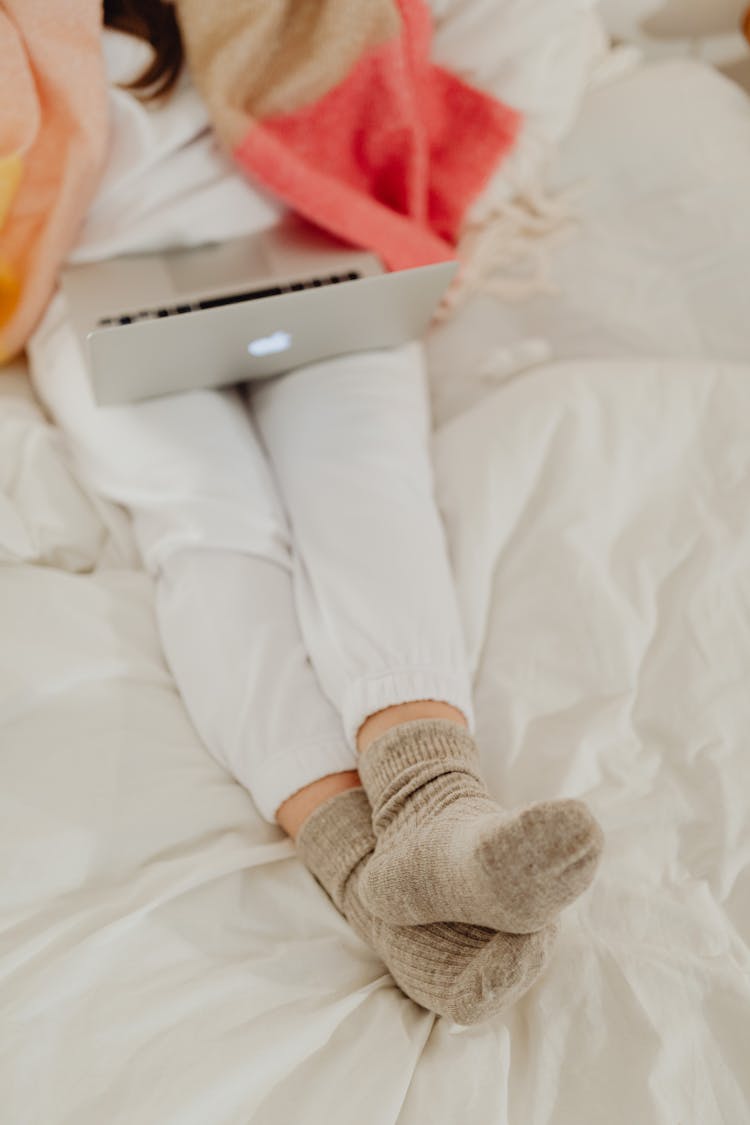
<point>165,959</point>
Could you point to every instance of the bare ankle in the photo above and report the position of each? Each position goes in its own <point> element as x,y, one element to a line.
<point>293,812</point>
<point>381,721</point>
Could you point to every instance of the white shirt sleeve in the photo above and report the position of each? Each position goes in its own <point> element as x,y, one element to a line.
<point>167,181</point>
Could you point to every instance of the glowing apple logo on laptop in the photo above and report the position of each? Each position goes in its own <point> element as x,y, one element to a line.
<point>269,345</point>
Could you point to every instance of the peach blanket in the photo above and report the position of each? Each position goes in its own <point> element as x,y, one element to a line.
<point>53,138</point>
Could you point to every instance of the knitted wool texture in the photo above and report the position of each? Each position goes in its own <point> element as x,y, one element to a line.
<point>463,972</point>
<point>446,851</point>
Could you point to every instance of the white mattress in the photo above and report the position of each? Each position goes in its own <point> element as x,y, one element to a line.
<point>165,958</point>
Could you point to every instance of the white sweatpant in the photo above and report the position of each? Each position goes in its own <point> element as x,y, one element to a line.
<point>303,578</point>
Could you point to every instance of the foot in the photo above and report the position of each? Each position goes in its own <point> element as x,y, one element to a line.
<point>464,972</point>
<point>446,850</point>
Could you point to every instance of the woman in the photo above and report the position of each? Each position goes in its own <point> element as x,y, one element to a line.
<point>307,610</point>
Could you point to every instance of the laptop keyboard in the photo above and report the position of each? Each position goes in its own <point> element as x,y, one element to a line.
<point>230,299</point>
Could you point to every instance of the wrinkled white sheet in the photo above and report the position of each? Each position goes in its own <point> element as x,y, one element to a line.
<point>164,957</point>
<point>659,264</point>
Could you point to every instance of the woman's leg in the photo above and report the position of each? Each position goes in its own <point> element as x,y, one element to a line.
<point>349,443</point>
<point>206,520</point>
<point>211,530</point>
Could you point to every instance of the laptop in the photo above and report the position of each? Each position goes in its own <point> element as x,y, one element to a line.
<point>247,308</point>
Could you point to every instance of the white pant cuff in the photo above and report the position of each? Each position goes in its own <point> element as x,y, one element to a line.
<point>405,685</point>
<point>284,774</point>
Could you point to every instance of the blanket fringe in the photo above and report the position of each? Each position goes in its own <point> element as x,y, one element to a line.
<point>507,253</point>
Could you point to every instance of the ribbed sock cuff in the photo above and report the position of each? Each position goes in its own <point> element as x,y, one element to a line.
<point>407,756</point>
<point>335,839</point>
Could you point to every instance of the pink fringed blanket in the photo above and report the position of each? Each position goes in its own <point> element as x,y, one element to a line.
<point>333,105</point>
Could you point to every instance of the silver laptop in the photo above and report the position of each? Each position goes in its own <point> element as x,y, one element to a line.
<point>248,308</point>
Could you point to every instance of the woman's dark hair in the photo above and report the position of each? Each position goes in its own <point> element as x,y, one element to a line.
<point>154,22</point>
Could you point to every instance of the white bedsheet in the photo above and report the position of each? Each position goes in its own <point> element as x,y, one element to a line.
<point>165,958</point>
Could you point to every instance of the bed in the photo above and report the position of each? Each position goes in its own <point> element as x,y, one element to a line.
<point>163,955</point>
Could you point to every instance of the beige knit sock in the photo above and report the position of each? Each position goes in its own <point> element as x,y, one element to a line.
<point>460,971</point>
<point>446,850</point>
